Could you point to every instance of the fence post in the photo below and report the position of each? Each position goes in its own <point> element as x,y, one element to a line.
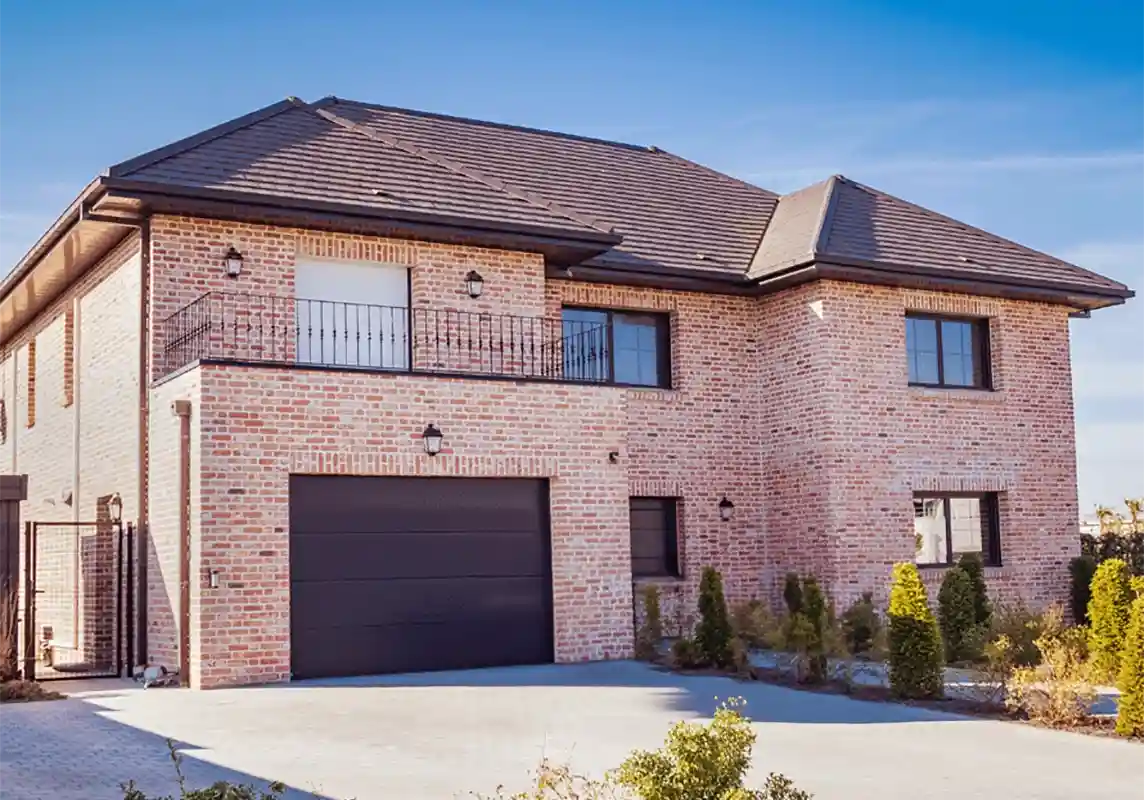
<point>13,489</point>
<point>29,601</point>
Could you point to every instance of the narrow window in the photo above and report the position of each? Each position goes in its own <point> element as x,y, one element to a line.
<point>655,537</point>
<point>69,358</point>
<point>621,347</point>
<point>948,525</point>
<point>947,351</point>
<point>31,383</point>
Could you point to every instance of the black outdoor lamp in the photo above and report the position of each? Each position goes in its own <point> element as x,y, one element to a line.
<point>726,509</point>
<point>232,263</point>
<point>115,507</point>
<point>432,438</point>
<point>474,283</point>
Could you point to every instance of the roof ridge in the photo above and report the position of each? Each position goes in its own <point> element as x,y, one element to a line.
<point>123,168</point>
<point>825,217</point>
<point>971,228</point>
<point>496,184</point>
<point>485,122</point>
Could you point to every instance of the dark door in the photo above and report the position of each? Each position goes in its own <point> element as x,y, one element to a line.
<point>411,574</point>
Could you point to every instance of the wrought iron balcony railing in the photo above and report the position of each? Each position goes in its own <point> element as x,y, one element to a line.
<point>285,330</point>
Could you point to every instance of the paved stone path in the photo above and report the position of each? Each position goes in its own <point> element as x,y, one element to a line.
<point>442,735</point>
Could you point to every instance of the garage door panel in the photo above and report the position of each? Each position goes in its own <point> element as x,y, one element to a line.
<point>392,574</point>
<point>357,556</point>
<point>330,652</point>
<point>355,603</point>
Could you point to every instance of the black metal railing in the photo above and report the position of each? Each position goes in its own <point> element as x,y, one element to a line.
<point>287,330</point>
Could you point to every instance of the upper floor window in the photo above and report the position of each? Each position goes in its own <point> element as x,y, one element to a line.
<point>951,524</point>
<point>631,348</point>
<point>948,351</point>
<point>655,538</point>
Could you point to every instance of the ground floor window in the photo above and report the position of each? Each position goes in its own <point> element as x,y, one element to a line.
<point>947,525</point>
<point>655,537</point>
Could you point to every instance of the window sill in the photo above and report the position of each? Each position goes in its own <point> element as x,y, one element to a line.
<point>658,580</point>
<point>956,393</point>
<point>650,393</point>
<point>934,572</point>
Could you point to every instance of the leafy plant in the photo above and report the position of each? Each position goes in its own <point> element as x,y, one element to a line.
<point>1081,570</point>
<point>703,762</point>
<point>1021,626</point>
<point>1130,682</point>
<point>1059,690</point>
<point>815,609</point>
<point>222,790</point>
<point>713,634</point>
<point>1108,617</point>
<point>861,625</point>
<point>975,569</point>
<point>19,691</point>
<point>957,615</point>
<point>685,654</point>
<point>9,614</point>
<point>792,593</point>
<point>754,624</point>
<point>650,632</point>
<point>915,642</point>
<point>558,782</point>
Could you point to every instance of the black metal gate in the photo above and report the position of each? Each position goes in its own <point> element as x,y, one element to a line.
<point>79,599</point>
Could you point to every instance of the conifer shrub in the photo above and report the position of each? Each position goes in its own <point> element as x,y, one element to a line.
<point>956,613</point>
<point>1130,682</point>
<point>861,625</point>
<point>792,593</point>
<point>816,611</point>
<point>975,569</point>
<point>1081,570</point>
<point>650,632</point>
<point>713,634</point>
<point>1108,617</point>
<point>915,642</point>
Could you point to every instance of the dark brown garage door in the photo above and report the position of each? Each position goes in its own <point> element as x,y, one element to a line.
<point>409,574</point>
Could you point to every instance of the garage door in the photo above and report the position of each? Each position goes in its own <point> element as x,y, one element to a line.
<point>409,574</point>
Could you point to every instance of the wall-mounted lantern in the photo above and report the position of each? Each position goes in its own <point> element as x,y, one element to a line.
<point>474,283</point>
<point>726,509</point>
<point>115,508</point>
<point>432,439</point>
<point>232,263</point>
<point>214,579</point>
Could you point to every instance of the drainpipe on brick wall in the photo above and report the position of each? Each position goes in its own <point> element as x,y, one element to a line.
<point>182,410</point>
<point>143,529</point>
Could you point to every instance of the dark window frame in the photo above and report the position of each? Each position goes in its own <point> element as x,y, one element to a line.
<point>982,351</point>
<point>990,536</point>
<point>662,342</point>
<point>672,566</point>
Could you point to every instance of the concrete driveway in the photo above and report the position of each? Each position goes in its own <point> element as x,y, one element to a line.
<point>442,735</point>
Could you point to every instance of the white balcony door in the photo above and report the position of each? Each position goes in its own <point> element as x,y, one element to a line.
<point>352,313</point>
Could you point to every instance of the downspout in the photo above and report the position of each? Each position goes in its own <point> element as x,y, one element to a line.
<point>182,410</point>
<point>143,529</point>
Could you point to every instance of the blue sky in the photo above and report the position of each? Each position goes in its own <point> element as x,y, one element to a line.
<point>1024,118</point>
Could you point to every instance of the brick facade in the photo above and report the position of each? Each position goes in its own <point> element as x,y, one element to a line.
<point>795,406</point>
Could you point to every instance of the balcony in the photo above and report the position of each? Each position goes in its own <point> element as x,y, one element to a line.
<point>288,331</point>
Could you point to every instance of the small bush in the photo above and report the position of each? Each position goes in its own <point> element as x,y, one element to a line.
<point>915,642</point>
<point>1059,690</point>
<point>975,569</point>
<point>1081,570</point>
<point>792,593</point>
<point>1108,617</point>
<point>861,625</point>
<point>18,691</point>
<point>754,624</point>
<point>702,761</point>
<point>685,654</point>
<point>816,610</point>
<point>650,632</point>
<point>1021,627</point>
<point>558,782</point>
<point>955,602</point>
<point>713,634</point>
<point>1130,682</point>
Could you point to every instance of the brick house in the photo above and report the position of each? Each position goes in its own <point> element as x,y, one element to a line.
<point>626,366</point>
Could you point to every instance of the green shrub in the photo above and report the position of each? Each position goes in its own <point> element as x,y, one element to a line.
<point>650,632</point>
<point>1081,570</point>
<point>975,569</point>
<point>1130,682</point>
<point>860,625</point>
<point>1108,617</point>
<point>792,593</point>
<point>754,624</point>
<point>713,634</point>
<point>815,608</point>
<point>915,642</point>
<point>685,654</point>
<point>702,762</point>
<point>955,604</point>
<point>1021,626</point>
